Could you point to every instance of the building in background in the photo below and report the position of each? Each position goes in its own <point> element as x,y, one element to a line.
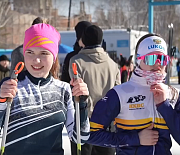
<point>25,11</point>
<point>34,7</point>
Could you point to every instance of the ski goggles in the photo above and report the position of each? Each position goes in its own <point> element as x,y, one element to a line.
<point>152,59</point>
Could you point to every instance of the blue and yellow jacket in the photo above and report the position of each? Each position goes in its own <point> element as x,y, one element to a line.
<point>131,106</point>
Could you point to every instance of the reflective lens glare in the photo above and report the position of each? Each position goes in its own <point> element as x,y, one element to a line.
<point>152,59</point>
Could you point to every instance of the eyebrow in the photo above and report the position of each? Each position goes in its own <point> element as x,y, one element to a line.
<point>29,50</point>
<point>44,51</point>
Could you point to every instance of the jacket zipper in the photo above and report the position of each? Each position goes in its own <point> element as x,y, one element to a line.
<point>166,150</point>
<point>153,122</point>
<point>136,150</point>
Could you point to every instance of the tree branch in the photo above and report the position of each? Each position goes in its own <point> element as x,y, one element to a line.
<point>7,10</point>
<point>5,22</point>
<point>1,9</point>
<point>4,10</point>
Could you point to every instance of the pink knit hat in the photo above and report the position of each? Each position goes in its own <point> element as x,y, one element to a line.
<point>42,35</point>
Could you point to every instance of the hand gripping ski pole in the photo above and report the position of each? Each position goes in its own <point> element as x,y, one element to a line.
<point>9,101</point>
<point>76,99</point>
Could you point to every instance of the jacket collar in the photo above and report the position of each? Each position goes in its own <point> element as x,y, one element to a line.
<point>33,79</point>
<point>92,50</point>
<point>91,47</point>
<point>138,79</point>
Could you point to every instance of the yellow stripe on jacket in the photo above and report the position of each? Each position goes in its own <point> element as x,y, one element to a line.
<point>161,123</point>
<point>140,124</point>
<point>133,127</point>
<point>95,126</point>
<point>133,122</point>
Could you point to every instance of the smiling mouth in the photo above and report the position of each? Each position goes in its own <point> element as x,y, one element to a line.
<point>37,68</point>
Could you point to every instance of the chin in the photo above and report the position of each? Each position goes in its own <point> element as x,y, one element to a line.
<point>38,75</point>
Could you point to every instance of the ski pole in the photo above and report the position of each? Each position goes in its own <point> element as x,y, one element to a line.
<point>76,99</point>
<point>9,101</point>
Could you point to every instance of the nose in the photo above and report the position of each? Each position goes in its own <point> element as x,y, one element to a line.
<point>157,65</point>
<point>37,59</point>
<point>158,61</point>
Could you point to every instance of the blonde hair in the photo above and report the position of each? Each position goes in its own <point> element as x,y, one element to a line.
<point>46,21</point>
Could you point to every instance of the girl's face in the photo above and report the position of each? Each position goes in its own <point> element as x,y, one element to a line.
<point>155,67</point>
<point>38,61</point>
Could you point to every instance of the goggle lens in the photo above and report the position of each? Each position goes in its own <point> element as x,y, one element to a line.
<point>154,58</point>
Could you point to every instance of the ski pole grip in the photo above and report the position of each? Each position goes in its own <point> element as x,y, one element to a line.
<point>19,67</point>
<point>9,99</point>
<point>74,67</point>
<point>76,99</point>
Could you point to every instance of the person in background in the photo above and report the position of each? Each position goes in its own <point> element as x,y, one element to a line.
<point>79,28</point>
<point>17,54</point>
<point>4,66</point>
<point>126,68</point>
<point>178,70</point>
<point>42,104</point>
<point>100,73</point>
<point>130,65</point>
<point>123,69</point>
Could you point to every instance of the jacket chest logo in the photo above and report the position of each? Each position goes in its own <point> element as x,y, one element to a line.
<point>135,99</point>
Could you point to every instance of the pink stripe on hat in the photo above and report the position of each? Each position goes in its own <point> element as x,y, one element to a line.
<point>42,35</point>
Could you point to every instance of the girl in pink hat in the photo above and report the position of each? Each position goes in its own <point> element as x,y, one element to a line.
<point>42,104</point>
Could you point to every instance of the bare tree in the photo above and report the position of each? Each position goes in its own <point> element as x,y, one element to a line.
<point>101,17</point>
<point>163,16</point>
<point>5,13</point>
<point>110,14</point>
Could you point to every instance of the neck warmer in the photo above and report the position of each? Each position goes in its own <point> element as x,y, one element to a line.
<point>152,77</point>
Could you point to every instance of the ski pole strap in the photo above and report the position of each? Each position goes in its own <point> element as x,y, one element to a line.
<point>2,100</point>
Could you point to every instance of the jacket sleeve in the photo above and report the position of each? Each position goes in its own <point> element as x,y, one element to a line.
<point>172,118</point>
<point>105,111</point>
<point>71,120</point>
